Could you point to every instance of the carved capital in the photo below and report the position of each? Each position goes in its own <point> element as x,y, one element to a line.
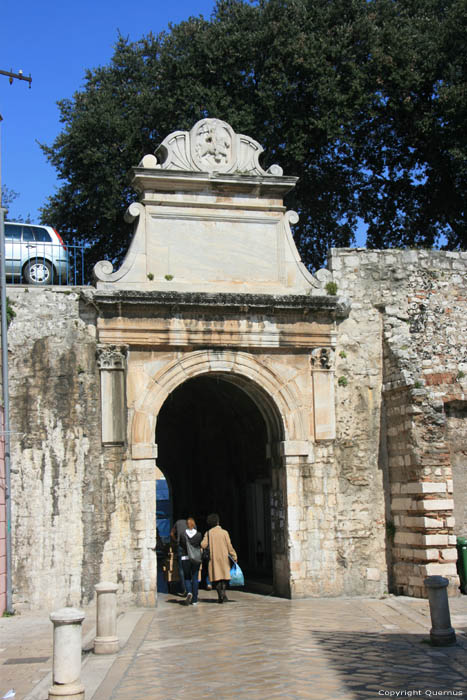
<point>111,357</point>
<point>322,358</point>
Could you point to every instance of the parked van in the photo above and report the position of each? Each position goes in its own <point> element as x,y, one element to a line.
<point>34,254</point>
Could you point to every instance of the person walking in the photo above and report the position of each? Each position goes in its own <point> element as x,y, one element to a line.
<point>190,541</point>
<point>175,533</point>
<point>220,547</point>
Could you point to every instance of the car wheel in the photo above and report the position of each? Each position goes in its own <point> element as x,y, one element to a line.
<point>38,272</point>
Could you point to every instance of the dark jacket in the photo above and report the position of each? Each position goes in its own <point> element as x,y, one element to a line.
<point>195,541</point>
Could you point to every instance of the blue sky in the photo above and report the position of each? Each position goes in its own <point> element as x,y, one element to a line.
<point>56,42</point>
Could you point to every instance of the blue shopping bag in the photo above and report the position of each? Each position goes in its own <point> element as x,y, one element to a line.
<point>236,575</point>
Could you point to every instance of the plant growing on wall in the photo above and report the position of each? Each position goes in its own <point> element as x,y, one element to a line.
<point>331,288</point>
<point>10,312</point>
<point>390,530</point>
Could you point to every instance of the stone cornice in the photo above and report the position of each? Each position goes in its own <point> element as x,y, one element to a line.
<point>149,179</point>
<point>124,301</point>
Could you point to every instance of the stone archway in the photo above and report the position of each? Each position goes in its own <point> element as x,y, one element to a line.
<point>284,420</point>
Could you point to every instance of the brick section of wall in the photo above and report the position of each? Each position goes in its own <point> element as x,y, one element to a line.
<point>421,297</point>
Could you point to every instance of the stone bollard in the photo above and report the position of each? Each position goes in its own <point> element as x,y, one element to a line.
<point>441,633</point>
<point>106,641</point>
<point>67,655</point>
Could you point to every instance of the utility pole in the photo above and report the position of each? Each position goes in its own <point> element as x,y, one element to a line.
<point>6,400</point>
<point>17,76</point>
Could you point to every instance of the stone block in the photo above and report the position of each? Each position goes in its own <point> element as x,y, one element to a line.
<point>402,504</point>
<point>143,451</point>
<point>415,581</point>
<point>373,574</point>
<point>449,554</point>
<point>295,448</point>
<point>414,538</point>
<point>411,521</point>
<point>424,487</point>
<point>292,499</point>
<point>441,540</point>
<point>435,504</point>
<point>437,569</point>
<point>425,554</point>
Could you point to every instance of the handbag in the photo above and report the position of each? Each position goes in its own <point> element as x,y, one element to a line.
<point>206,555</point>
<point>194,553</point>
<point>236,574</point>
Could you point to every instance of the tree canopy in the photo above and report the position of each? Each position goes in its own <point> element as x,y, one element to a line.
<point>364,100</point>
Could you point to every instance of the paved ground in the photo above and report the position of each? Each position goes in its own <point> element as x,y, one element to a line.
<point>254,648</point>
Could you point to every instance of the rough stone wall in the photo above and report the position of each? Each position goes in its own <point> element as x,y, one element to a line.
<point>351,466</point>
<point>420,298</point>
<point>58,489</point>
<point>377,499</point>
<point>456,413</point>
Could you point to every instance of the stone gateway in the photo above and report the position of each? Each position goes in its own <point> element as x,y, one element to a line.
<point>323,416</point>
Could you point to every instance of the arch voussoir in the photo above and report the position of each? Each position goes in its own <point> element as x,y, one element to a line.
<point>281,408</point>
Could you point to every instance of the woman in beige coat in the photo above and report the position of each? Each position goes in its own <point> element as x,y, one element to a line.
<point>220,547</point>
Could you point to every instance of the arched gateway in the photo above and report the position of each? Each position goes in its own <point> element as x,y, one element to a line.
<point>225,426</point>
<point>216,351</point>
<point>216,357</point>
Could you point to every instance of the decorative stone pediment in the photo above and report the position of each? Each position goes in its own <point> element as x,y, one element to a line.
<point>210,146</point>
<point>210,219</point>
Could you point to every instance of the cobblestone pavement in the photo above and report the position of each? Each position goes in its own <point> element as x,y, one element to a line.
<point>255,648</point>
<point>259,648</point>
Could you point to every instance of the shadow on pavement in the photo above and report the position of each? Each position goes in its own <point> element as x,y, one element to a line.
<point>380,665</point>
<point>181,601</point>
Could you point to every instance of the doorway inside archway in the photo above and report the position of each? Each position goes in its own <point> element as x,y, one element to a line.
<point>211,439</point>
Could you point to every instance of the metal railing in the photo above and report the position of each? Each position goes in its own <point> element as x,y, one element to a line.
<point>39,263</point>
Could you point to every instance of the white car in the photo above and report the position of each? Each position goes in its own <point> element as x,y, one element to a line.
<point>35,254</point>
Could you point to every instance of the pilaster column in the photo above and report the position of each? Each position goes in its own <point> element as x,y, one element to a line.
<point>111,360</point>
<point>322,372</point>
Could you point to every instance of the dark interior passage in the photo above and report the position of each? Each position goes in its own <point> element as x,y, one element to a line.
<point>211,441</point>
